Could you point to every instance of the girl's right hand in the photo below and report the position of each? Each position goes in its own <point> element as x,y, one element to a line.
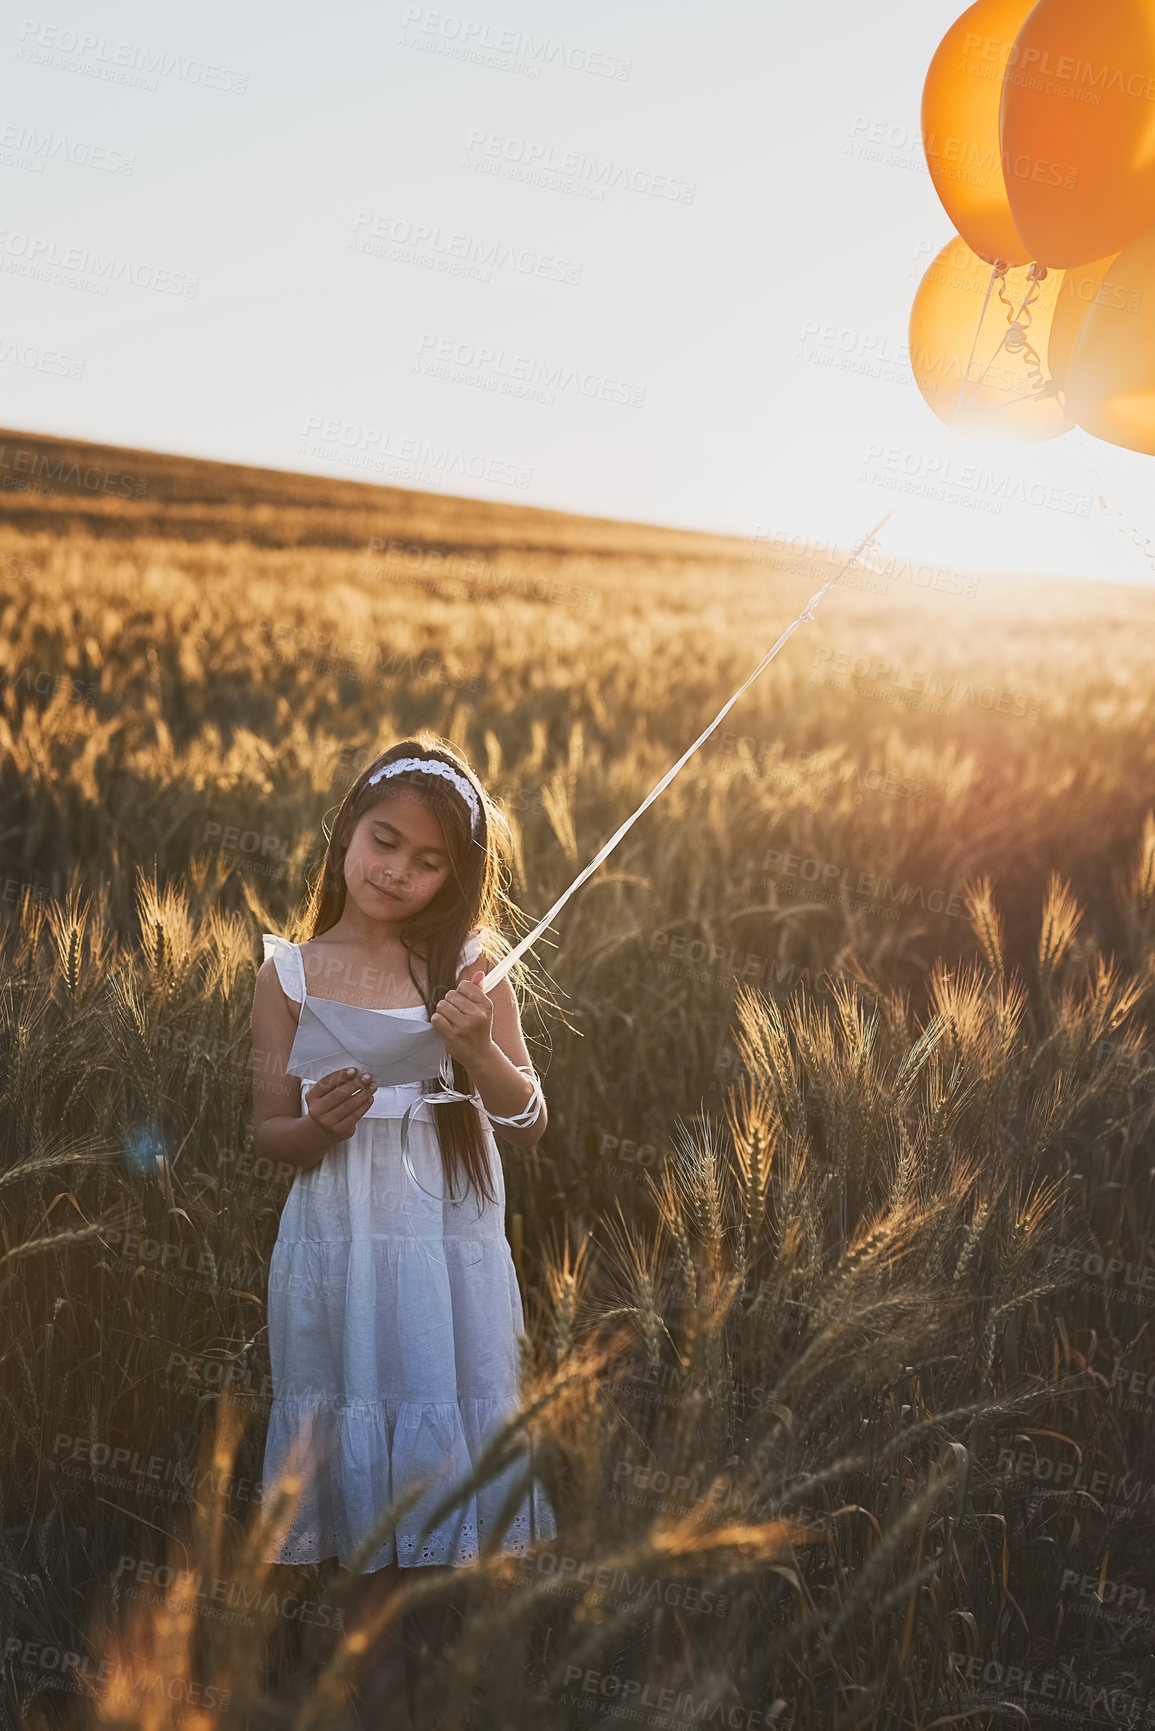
<point>338,1101</point>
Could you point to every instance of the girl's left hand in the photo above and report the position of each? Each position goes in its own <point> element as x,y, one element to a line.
<point>464,1020</point>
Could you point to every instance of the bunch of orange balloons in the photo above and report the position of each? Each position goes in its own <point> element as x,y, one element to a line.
<point>1038,123</point>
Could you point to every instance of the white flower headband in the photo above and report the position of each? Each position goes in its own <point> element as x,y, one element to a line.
<point>434,766</point>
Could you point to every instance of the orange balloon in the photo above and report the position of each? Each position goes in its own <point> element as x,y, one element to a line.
<point>1077,292</point>
<point>960,127</point>
<point>1077,130</point>
<point>1111,377</point>
<point>996,345</point>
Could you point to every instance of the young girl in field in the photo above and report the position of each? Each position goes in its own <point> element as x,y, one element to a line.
<point>394,1308</point>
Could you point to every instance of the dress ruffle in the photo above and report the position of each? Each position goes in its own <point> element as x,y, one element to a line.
<point>367,1454</point>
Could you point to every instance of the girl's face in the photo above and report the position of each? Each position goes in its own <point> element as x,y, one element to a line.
<point>396,860</point>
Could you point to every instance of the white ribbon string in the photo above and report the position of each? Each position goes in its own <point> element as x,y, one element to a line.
<point>499,972</point>
<point>975,343</point>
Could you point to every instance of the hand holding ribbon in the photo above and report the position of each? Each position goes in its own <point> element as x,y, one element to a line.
<point>464,1020</point>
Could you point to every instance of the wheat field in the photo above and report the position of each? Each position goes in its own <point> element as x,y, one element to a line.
<point>837,1254</point>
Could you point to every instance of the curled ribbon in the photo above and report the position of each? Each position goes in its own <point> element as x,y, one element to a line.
<point>519,1120</point>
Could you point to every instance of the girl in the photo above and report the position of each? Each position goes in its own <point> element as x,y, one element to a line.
<point>394,1309</point>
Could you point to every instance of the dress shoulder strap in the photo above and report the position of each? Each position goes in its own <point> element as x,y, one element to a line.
<point>472,948</point>
<point>288,963</point>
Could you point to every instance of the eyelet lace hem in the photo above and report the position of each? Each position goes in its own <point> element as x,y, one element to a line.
<point>314,1545</point>
<point>357,1464</point>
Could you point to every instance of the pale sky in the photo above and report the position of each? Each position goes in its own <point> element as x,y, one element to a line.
<point>394,267</point>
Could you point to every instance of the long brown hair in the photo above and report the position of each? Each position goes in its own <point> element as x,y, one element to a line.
<point>472,898</point>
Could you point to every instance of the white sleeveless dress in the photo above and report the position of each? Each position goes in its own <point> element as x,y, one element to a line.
<point>393,1324</point>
